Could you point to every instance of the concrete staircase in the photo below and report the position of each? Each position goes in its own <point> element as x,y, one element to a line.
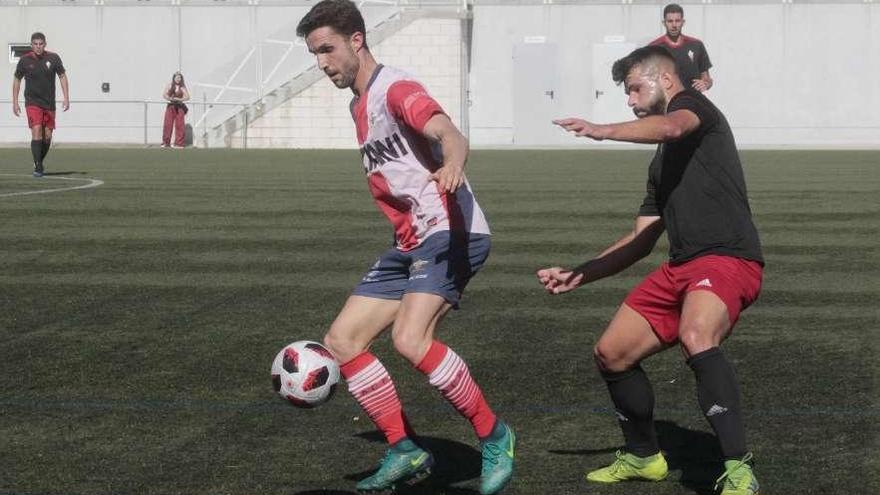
<point>234,128</point>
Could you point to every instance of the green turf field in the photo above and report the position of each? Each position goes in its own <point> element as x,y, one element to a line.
<point>140,318</point>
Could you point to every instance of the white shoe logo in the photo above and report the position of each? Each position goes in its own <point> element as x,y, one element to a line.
<point>620,416</point>
<point>716,409</point>
<point>704,283</point>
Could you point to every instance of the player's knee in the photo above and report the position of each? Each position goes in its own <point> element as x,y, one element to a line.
<point>343,347</point>
<point>608,359</point>
<point>695,339</point>
<point>408,344</point>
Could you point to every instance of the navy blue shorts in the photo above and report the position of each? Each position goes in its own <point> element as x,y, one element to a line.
<point>442,265</point>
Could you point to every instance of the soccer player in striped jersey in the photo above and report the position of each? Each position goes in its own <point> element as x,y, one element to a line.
<point>413,158</point>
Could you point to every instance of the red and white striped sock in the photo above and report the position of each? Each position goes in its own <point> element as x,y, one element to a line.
<point>449,374</point>
<point>372,387</point>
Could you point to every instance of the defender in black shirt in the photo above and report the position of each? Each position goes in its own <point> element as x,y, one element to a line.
<point>697,193</point>
<point>38,68</point>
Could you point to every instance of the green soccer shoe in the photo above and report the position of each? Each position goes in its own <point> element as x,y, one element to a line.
<point>738,478</point>
<point>630,467</point>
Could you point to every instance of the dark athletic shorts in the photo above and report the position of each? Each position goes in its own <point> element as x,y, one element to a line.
<point>443,264</point>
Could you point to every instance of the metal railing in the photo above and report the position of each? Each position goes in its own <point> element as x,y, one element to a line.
<point>122,121</point>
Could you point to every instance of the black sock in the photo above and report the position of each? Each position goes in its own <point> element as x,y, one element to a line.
<point>718,394</point>
<point>46,144</point>
<point>633,400</point>
<point>37,151</point>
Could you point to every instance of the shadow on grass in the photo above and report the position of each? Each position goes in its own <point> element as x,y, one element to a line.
<point>63,173</point>
<point>454,462</point>
<point>695,453</point>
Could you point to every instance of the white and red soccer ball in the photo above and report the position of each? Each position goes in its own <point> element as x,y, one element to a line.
<point>305,374</point>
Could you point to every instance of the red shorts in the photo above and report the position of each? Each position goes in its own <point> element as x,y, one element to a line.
<point>40,116</point>
<point>661,294</point>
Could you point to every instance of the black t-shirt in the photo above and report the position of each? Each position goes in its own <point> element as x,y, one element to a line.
<point>691,58</point>
<point>39,75</point>
<point>696,185</point>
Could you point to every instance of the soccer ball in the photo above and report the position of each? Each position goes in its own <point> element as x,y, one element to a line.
<point>305,374</point>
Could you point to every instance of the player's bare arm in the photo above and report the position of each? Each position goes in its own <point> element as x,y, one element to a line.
<point>16,88</point>
<point>455,151</point>
<point>65,89</point>
<point>621,255</point>
<point>648,130</point>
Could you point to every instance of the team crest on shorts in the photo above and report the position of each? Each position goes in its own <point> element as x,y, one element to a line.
<point>417,269</point>
<point>417,266</point>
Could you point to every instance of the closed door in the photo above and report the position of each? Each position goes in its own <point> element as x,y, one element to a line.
<point>534,93</point>
<point>609,100</point>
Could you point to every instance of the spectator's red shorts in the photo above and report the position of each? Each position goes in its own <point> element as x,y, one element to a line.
<point>40,116</point>
<point>661,294</point>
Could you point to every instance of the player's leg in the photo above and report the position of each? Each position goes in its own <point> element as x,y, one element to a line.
<point>413,335</point>
<point>447,262</point>
<point>167,124</point>
<point>48,129</point>
<point>370,310</point>
<point>628,340</point>
<point>35,123</point>
<point>361,320</point>
<point>719,289</point>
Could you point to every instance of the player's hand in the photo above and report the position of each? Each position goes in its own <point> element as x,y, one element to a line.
<point>16,109</point>
<point>449,177</point>
<point>558,280</point>
<point>581,128</point>
<point>65,105</point>
<point>700,85</point>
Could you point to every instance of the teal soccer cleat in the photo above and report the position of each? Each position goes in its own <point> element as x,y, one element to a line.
<point>498,453</point>
<point>404,463</point>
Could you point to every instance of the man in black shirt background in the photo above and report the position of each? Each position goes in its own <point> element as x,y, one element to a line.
<point>690,54</point>
<point>38,68</point>
<point>696,192</point>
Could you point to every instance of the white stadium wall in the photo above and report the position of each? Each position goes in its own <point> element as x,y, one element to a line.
<point>800,73</point>
<point>785,73</point>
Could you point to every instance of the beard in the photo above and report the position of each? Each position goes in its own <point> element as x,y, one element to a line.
<point>342,80</point>
<point>345,76</point>
<point>656,107</point>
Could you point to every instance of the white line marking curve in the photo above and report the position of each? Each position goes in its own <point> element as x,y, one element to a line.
<point>91,183</point>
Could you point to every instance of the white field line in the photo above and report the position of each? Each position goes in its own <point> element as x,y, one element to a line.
<point>90,183</point>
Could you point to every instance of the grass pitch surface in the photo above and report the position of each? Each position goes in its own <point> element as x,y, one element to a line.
<point>140,317</point>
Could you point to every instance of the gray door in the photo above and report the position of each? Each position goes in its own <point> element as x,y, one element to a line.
<point>534,94</point>
<point>609,100</point>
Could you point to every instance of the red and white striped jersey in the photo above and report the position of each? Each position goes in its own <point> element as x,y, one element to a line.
<point>399,161</point>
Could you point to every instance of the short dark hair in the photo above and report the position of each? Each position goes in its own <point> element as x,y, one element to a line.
<point>341,15</point>
<point>38,36</point>
<point>622,67</point>
<point>672,8</point>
